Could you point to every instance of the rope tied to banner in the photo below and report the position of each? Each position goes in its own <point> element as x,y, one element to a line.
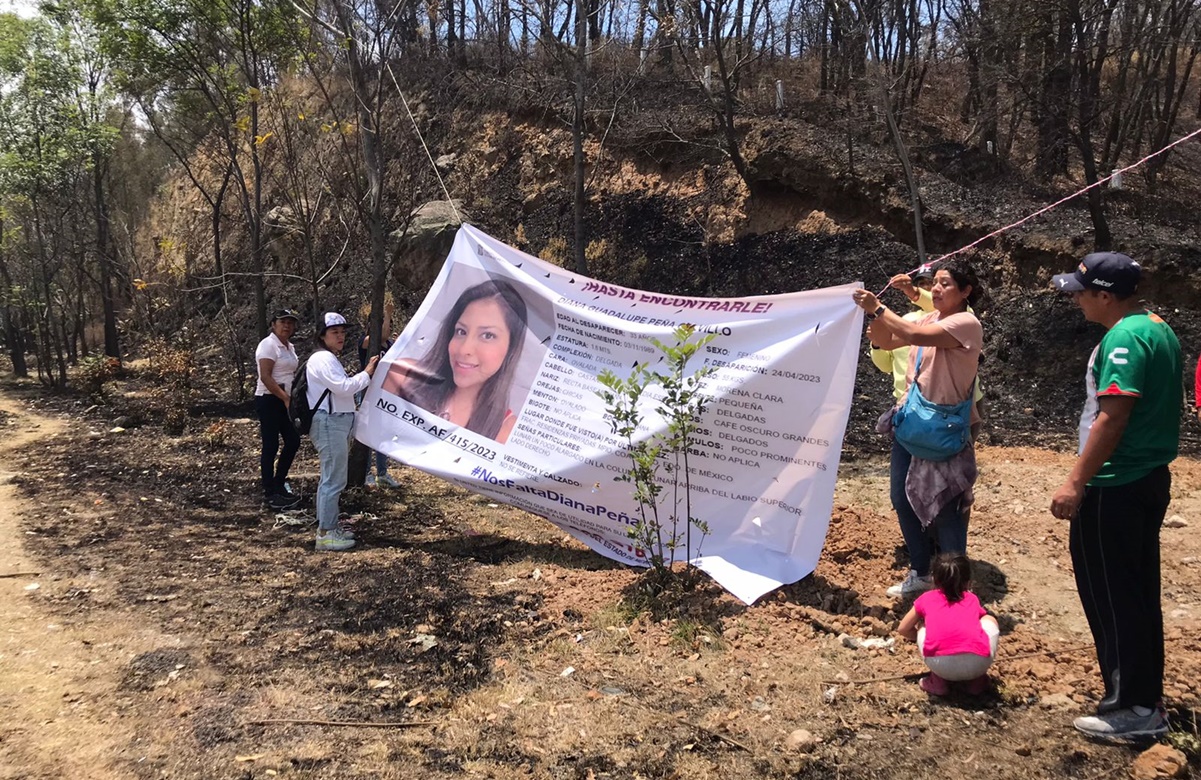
<point>1054,205</point>
<point>429,156</point>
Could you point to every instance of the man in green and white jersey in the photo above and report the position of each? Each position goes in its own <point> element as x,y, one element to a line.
<point>1117,494</point>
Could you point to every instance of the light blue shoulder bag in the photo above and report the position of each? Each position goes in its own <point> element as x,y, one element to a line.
<point>928,430</point>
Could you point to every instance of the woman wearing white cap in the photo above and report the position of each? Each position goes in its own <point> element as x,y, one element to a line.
<point>331,395</point>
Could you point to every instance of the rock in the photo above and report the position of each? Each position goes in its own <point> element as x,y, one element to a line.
<point>1056,701</point>
<point>1043,670</point>
<point>880,629</point>
<point>877,643</point>
<point>848,641</point>
<point>445,162</point>
<point>801,741</point>
<point>759,704</point>
<point>1175,521</point>
<point>1159,761</point>
<point>421,247</point>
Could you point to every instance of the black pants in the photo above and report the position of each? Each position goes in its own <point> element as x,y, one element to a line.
<point>274,423</point>
<point>1115,553</point>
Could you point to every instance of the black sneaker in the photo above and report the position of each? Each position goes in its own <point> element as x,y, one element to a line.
<point>1125,725</point>
<point>280,502</point>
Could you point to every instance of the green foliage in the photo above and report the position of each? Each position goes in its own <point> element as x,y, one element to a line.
<point>658,472</point>
<point>690,634</point>
<point>45,138</point>
<point>1185,735</point>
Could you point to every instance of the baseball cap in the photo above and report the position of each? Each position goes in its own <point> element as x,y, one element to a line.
<point>284,314</point>
<point>331,319</point>
<point>925,271</point>
<point>1111,272</point>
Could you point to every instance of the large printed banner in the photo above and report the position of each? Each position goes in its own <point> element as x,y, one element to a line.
<point>493,386</point>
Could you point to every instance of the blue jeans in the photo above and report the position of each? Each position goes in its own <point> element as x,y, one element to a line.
<point>949,527</point>
<point>331,435</point>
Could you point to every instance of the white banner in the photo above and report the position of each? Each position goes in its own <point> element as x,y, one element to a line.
<point>492,386</point>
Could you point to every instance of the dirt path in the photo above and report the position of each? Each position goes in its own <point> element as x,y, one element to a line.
<point>173,616</point>
<point>57,678</point>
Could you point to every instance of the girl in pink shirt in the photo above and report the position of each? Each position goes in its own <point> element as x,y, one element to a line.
<point>955,636</point>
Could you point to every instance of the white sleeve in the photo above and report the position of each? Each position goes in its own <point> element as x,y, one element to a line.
<point>264,351</point>
<point>326,371</point>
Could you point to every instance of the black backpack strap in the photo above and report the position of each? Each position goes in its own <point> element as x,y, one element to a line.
<point>322,398</point>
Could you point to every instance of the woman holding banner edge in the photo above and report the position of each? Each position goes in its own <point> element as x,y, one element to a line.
<point>930,498</point>
<point>466,375</point>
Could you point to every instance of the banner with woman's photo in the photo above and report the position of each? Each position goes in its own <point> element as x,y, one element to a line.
<point>493,386</point>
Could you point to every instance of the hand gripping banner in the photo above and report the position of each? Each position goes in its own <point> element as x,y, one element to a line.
<point>493,386</point>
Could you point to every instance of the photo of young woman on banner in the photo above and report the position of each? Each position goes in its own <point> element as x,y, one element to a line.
<point>467,374</point>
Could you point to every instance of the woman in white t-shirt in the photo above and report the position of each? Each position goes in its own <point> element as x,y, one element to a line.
<point>331,396</point>
<point>277,364</point>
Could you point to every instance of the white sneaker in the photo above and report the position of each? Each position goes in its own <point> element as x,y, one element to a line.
<point>370,481</point>
<point>333,541</point>
<point>387,480</point>
<point>912,585</point>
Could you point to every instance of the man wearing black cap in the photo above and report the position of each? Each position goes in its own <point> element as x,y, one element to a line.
<point>1118,491</point>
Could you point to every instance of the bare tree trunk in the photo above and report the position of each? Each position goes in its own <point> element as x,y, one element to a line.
<point>1054,95</point>
<point>580,201</point>
<point>14,337</point>
<point>640,30</point>
<point>915,196</point>
<point>369,104</point>
<point>112,340</point>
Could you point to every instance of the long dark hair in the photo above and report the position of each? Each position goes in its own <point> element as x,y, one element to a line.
<point>963,274</point>
<point>433,379</point>
<point>952,575</point>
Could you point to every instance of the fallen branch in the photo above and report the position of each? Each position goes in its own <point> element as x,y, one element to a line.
<point>908,676</point>
<point>1104,773</point>
<point>915,675</point>
<point>1045,652</point>
<point>16,574</point>
<point>717,734</point>
<point>366,724</point>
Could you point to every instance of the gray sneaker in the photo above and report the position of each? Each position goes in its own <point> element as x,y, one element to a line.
<point>333,541</point>
<point>1123,725</point>
<point>912,585</point>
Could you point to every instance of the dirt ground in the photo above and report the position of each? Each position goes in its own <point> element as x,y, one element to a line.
<point>175,626</point>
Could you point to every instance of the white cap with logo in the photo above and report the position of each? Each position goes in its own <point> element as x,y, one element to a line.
<point>331,319</point>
